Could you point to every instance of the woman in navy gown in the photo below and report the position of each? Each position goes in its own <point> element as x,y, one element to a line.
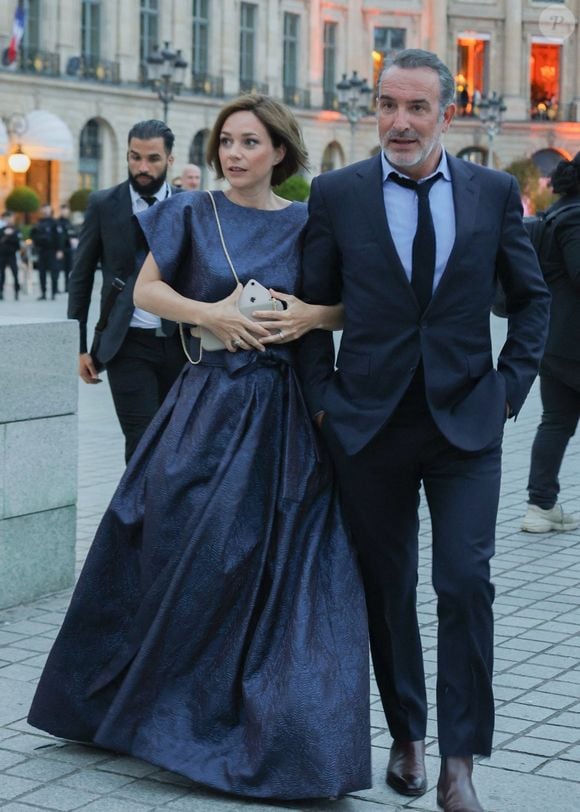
<point>218,628</point>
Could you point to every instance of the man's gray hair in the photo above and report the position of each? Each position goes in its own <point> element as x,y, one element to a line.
<point>418,58</point>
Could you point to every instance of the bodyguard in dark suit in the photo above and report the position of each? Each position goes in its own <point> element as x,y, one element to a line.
<point>9,248</point>
<point>141,355</point>
<point>416,400</point>
<point>45,238</point>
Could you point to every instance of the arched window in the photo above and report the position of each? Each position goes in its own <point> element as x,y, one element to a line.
<point>477,155</point>
<point>197,154</point>
<point>332,157</point>
<point>90,152</point>
<point>546,160</point>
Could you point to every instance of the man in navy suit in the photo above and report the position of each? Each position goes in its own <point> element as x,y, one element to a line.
<point>142,356</point>
<point>415,399</point>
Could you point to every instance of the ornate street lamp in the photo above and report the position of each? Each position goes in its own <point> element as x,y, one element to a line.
<point>166,74</point>
<point>491,112</point>
<point>353,102</point>
<point>16,126</point>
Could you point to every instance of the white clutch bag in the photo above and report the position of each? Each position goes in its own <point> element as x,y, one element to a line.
<point>254,296</point>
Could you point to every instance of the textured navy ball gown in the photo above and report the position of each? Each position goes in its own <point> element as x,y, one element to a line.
<point>218,628</point>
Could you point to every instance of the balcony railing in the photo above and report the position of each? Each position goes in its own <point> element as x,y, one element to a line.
<point>33,60</point>
<point>94,69</point>
<point>251,86</point>
<point>297,97</point>
<point>205,85</point>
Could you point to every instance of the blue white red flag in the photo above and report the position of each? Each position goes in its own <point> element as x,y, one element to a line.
<point>17,32</point>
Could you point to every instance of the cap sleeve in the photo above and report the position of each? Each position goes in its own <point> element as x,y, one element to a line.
<point>165,231</point>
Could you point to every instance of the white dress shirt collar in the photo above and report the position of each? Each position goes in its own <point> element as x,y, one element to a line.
<point>443,167</point>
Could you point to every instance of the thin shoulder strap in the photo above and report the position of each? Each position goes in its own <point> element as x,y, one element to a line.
<point>219,225</point>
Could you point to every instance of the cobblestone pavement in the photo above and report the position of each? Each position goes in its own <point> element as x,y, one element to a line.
<point>535,766</point>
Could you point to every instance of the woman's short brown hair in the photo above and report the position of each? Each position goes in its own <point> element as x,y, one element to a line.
<point>281,125</point>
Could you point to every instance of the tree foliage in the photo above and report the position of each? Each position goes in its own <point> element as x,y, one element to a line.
<point>532,186</point>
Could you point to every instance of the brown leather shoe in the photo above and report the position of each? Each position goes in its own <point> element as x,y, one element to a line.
<point>406,769</point>
<point>455,790</point>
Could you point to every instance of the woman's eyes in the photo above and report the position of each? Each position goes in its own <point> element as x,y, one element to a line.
<point>247,142</point>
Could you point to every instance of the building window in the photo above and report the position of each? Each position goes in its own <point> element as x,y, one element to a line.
<point>329,66</point>
<point>290,52</point>
<point>472,76</point>
<point>332,157</point>
<point>200,37</point>
<point>248,18</point>
<point>544,80</point>
<point>197,150</point>
<point>91,29</point>
<point>31,36</point>
<point>89,155</point>
<point>148,28</point>
<point>387,43</point>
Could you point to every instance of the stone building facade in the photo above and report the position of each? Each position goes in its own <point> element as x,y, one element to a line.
<point>82,76</point>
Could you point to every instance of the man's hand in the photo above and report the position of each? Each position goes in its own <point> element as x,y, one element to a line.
<point>87,369</point>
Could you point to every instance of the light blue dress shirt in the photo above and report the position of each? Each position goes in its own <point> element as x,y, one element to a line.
<point>401,209</point>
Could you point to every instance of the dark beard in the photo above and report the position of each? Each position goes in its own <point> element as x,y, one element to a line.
<point>150,188</point>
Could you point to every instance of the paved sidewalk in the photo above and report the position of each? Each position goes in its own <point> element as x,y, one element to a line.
<point>535,766</point>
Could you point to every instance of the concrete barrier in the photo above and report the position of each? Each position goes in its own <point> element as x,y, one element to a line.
<point>38,457</point>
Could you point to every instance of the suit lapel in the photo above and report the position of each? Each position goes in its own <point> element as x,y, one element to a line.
<point>372,204</point>
<point>465,198</point>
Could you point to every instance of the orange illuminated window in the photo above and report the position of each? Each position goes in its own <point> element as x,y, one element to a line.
<point>544,80</point>
<point>472,70</point>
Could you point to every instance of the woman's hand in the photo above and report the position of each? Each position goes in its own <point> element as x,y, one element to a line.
<point>225,321</point>
<point>297,318</point>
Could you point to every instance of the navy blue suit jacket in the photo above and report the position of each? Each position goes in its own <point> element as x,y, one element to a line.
<point>109,239</point>
<point>349,256</point>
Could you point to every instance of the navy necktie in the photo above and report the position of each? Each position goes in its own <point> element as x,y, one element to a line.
<point>424,243</point>
<point>149,200</point>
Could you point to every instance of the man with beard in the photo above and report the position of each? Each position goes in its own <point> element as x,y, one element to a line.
<point>142,355</point>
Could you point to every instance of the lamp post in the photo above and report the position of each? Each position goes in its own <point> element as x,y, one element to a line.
<point>18,161</point>
<point>166,74</point>
<point>491,112</point>
<point>353,102</point>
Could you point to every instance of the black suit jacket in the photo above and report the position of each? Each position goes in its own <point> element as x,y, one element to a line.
<point>560,259</point>
<point>349,256</point>
<point>108,239</point>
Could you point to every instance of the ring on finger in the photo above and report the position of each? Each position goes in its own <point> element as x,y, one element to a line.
<point>236,342</point>
<point>281,334</point>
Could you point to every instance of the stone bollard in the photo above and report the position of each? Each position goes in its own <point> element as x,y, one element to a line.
<point>38,457</point>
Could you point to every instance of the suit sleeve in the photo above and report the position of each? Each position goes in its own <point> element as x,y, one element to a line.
<point>87,257</point>
<point>527,304</point>
<point>321,284</point>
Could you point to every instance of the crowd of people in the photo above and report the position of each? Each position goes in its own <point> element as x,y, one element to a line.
<point>266,526</point>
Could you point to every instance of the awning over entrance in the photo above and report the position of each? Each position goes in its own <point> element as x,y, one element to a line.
<point>46,137</point>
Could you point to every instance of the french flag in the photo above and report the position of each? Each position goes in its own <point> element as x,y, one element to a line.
<point>17,33</point>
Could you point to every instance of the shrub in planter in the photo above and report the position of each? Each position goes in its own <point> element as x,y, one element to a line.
<point>22,199</point>
<point>79,200</point>
<point>293,188</point>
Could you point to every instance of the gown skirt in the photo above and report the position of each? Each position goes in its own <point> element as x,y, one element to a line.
<point>218,628</point>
